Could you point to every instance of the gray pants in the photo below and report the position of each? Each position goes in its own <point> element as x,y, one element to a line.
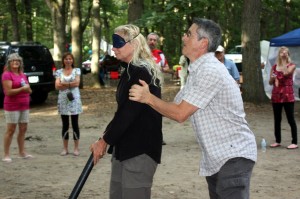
<point>232,181</point>
<point>132,178</point>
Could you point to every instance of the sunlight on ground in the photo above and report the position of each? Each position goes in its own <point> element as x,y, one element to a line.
<point>51,111</point>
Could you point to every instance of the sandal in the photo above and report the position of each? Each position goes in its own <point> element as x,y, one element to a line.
<point>274,145</point>
<point>76,153</point>
<point>26,156</point>
<point>7,159</point>
<point>292,146</point>
<point>64,153</point>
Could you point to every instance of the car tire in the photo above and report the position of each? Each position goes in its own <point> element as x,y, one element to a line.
<point>1,100</point>
<point>83,71</point>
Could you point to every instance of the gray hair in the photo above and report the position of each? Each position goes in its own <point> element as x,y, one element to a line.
<point>142,56</point>
<point>155,34</point>
<point>210,30</point>
<point>12,57</point>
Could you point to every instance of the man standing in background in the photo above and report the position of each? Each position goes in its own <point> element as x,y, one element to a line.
<point>230,65</point>
<point>158,56</point>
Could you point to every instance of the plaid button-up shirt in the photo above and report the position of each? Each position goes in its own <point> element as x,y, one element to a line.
<point>219,124</point>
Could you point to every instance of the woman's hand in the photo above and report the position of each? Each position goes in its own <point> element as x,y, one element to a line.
<point>273,77</point>
<point>272,80</point>
<point>61,85</point>
<point>98,149</point>
<point>26,88</point>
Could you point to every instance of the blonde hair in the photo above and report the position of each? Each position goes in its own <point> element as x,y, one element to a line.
<point>13,57</point>
<point>142,56</point>
<point>279,60</point>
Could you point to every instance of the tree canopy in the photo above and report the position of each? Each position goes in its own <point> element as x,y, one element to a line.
<point>169,18</point>
<point>26,20</point>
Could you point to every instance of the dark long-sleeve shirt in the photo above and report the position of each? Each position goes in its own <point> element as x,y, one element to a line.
<point>136,128</point>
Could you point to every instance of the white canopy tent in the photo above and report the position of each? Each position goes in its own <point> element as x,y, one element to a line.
<point>106,47</point>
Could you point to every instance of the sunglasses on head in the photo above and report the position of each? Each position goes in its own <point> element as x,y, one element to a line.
<point>119,42</point>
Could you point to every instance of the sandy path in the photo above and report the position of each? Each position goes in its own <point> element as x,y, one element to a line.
<point>51,176</point>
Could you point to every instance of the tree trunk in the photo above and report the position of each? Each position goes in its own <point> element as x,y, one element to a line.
<point>4,31</point>
<point>76,33</point>
<point>28,21</point>
<point>253,89</point>
<point>135,10</point>
<point>59,24</point>
<point>287,16</point>
<point>96,38</point>
<point>106,30</point>
<point>14,19</point>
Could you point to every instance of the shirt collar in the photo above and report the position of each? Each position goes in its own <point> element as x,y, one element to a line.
<point>198,62</point>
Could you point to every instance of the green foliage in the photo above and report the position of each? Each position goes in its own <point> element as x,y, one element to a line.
<point>169,18</point>
<point>279,17</point>
<point>41,22</point>
<point>113,13</point>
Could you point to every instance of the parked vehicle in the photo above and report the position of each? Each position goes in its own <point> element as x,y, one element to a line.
<point>107,63</point>
<point>235,55</point>
<point>38,66</point>
<point>110,63</point>
<point>86,67</point>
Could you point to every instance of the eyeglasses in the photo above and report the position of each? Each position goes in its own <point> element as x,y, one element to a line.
<point>188,33</point>
<point>119,42</point>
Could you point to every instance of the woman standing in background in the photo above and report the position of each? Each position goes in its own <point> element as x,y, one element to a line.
<point>16,104</point>
<point>67,81</point>
<point>281,77</point>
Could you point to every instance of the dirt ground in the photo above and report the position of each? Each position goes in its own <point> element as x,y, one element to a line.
<point>51,176</point>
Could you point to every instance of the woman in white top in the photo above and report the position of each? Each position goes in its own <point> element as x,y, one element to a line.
<point>67,81</point>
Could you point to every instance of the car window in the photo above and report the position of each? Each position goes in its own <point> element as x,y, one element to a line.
<point>236,50</point>
<point>3,51</point>
<point>2,56</point>
<point>33,53</point>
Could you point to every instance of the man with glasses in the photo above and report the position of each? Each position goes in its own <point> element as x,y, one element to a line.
<point>212,99</point>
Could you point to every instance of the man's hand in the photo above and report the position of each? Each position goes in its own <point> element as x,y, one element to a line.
<point>99,150</point>
<point>140,93</point>
<point>167,69</point>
